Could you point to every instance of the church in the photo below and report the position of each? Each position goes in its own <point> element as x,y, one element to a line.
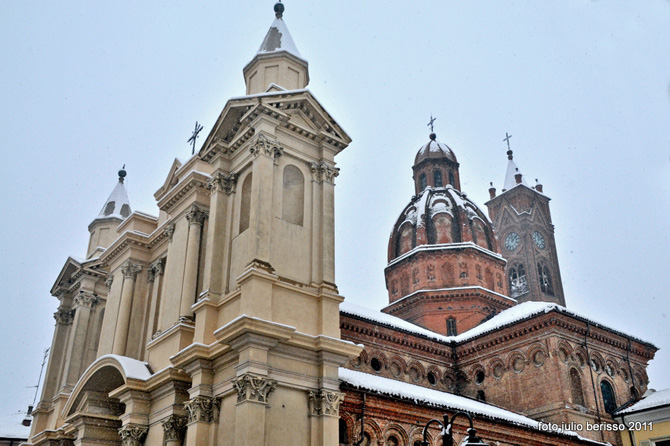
<point>219,322</point>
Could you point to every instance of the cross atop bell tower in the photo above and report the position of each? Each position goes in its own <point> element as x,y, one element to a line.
<point>522,219</point>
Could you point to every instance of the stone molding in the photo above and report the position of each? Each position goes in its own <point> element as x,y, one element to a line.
<point>169,231</point>
<point>253,388</point>
<point>196,216</point>
<point>64,316</point>
<point>132,434</point>
<point>325,402</point>
<point>86,299</point>
<point>203,409</point>
<point>222,182</point>
<point>266,146</point>
<point>323,172</point>
<point>156,269</point>
<point>130,269</point>
<point>174,427</point>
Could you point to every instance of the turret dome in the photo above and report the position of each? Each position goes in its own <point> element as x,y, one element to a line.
<point>434,149</point>
<point>435,165</point>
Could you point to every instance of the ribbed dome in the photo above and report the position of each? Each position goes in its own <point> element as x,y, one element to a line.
<point>439,216</point>
<point>434,149</point>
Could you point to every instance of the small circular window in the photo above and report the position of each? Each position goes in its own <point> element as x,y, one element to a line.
<point>479,377</point>
<point>432,379</point>
<point>376,364</point>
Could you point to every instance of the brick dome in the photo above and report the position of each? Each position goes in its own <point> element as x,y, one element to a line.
<point>440,216</point>
<point>434,149</point>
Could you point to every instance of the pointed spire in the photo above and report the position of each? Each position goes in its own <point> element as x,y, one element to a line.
<point>277,60</point>
<point>117,205</point>
<point>512,169</point>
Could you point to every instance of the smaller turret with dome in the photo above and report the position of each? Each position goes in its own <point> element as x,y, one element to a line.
<point>445,271</point>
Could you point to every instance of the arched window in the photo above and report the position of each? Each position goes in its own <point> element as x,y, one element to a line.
<point>451,179</point>
<point>609,401</point>
<point>344,438</point>
<point>405,239</point>
<point>437,178</point>
<point>443,228</point>
<point>245,206</point>
<point>518,284</point>
<point>481,396</point>
<point>545,279</point>
<point>392,441</point>
<point>634,395</point>
<point>451,327</point>
<point>293,195</point>
<point>422,182</point>
<point>576,388</point>
<point>480,233</point>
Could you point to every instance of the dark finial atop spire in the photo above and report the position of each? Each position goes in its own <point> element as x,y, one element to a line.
<point>122,173</point>
<point>509,150</point>
<point>279,9</point>
<point>509,155</point>
<point>433,136</point>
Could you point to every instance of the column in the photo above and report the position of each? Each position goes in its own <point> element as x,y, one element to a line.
<point>202,412</point>
<point>253,392</point>
<point>129,271</point>
<point>196,218</point>
<point>324,416</point>
<point>154,276</point>
<point>169,232</point>
<point>84,301</point>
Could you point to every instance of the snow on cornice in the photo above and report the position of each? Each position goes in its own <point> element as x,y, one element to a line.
<point>656,400</point>
<point>505,318</point>
<point>436,398</point>
<point>458,288</point>
<point>443,246</point>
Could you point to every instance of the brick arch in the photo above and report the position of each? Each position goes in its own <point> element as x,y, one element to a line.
<point>512,358</point>
<point>398,431</point>
<point>599,359</point>
<point>473,372</point>
<point>381,357</point>
<point>579,350</point>
<point>639,372</point>
<point>400,362</point>
<point>614,364</point>
<point>449,380</point>
<point>350,422</point>
<point>565,347</point>
<point>371,428</point>
<point>419,367</point>
<point>535,349</point>
<point>416,434</point>
<point>493,363</point>
<point>364,359</point>
<point>615,393</point>
<point>436,371</point>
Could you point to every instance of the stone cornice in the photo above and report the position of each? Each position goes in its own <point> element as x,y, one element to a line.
<point>127,240</point>
<point>192,182</point>
<point>448,293</point>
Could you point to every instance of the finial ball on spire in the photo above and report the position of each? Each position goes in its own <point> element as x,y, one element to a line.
<point>122,173</point>
<point>433,136</point>
<point>279,9</point>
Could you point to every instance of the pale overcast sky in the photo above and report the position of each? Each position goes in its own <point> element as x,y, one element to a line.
<point>583,87</point>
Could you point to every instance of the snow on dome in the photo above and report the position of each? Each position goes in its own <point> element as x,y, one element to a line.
<point>434,149</point>
<point>436,398</point>
<point>278,39</point>
<point>656,399</point>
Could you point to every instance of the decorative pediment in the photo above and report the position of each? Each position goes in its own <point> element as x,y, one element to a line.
<point>171,179</point>
<point>66,277</point>
<point>297,111</point>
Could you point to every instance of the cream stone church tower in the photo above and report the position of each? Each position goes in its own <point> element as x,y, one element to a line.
<point>217,321</point>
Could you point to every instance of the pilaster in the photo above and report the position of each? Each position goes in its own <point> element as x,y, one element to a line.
<point>129,271</point>
<point>196,219</point>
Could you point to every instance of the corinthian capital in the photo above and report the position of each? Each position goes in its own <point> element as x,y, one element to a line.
<point>202,409</point>
<point>132,434</point>
<point>108,282</point>
<point>174,427</point>
<point>169,231</point>
<point>156,268</point>
<point>325,402</point>
<point>222,182</point>
<point>63,316</point>
<point>85,299</point>
<point>196,216</point>
<point>253,388</point>
<point>266,146</point>
<point>323,172</point>
<point>130,269</point>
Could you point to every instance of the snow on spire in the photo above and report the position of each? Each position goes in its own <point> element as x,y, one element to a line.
<point>117,205</point>
<point>278,37</point>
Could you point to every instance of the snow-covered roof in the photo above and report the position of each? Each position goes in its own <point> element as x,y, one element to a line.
<point>512,170</point>
<point>132,368</point>
<point>118,204</point>
<point>657,399</point>
<point>505,318</point>
<point>432,397</point>
<point>277,39</point>
<point>434,149</point>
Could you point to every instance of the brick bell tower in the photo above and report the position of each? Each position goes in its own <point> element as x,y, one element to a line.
<point>523,224</point>
<point>445,271</point>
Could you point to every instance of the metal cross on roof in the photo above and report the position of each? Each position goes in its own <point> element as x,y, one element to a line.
<point>431,122</point>
<point>507,137</point>
<point>194,136</point>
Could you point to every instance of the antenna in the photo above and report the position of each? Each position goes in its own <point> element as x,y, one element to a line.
<point>44,361</point>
